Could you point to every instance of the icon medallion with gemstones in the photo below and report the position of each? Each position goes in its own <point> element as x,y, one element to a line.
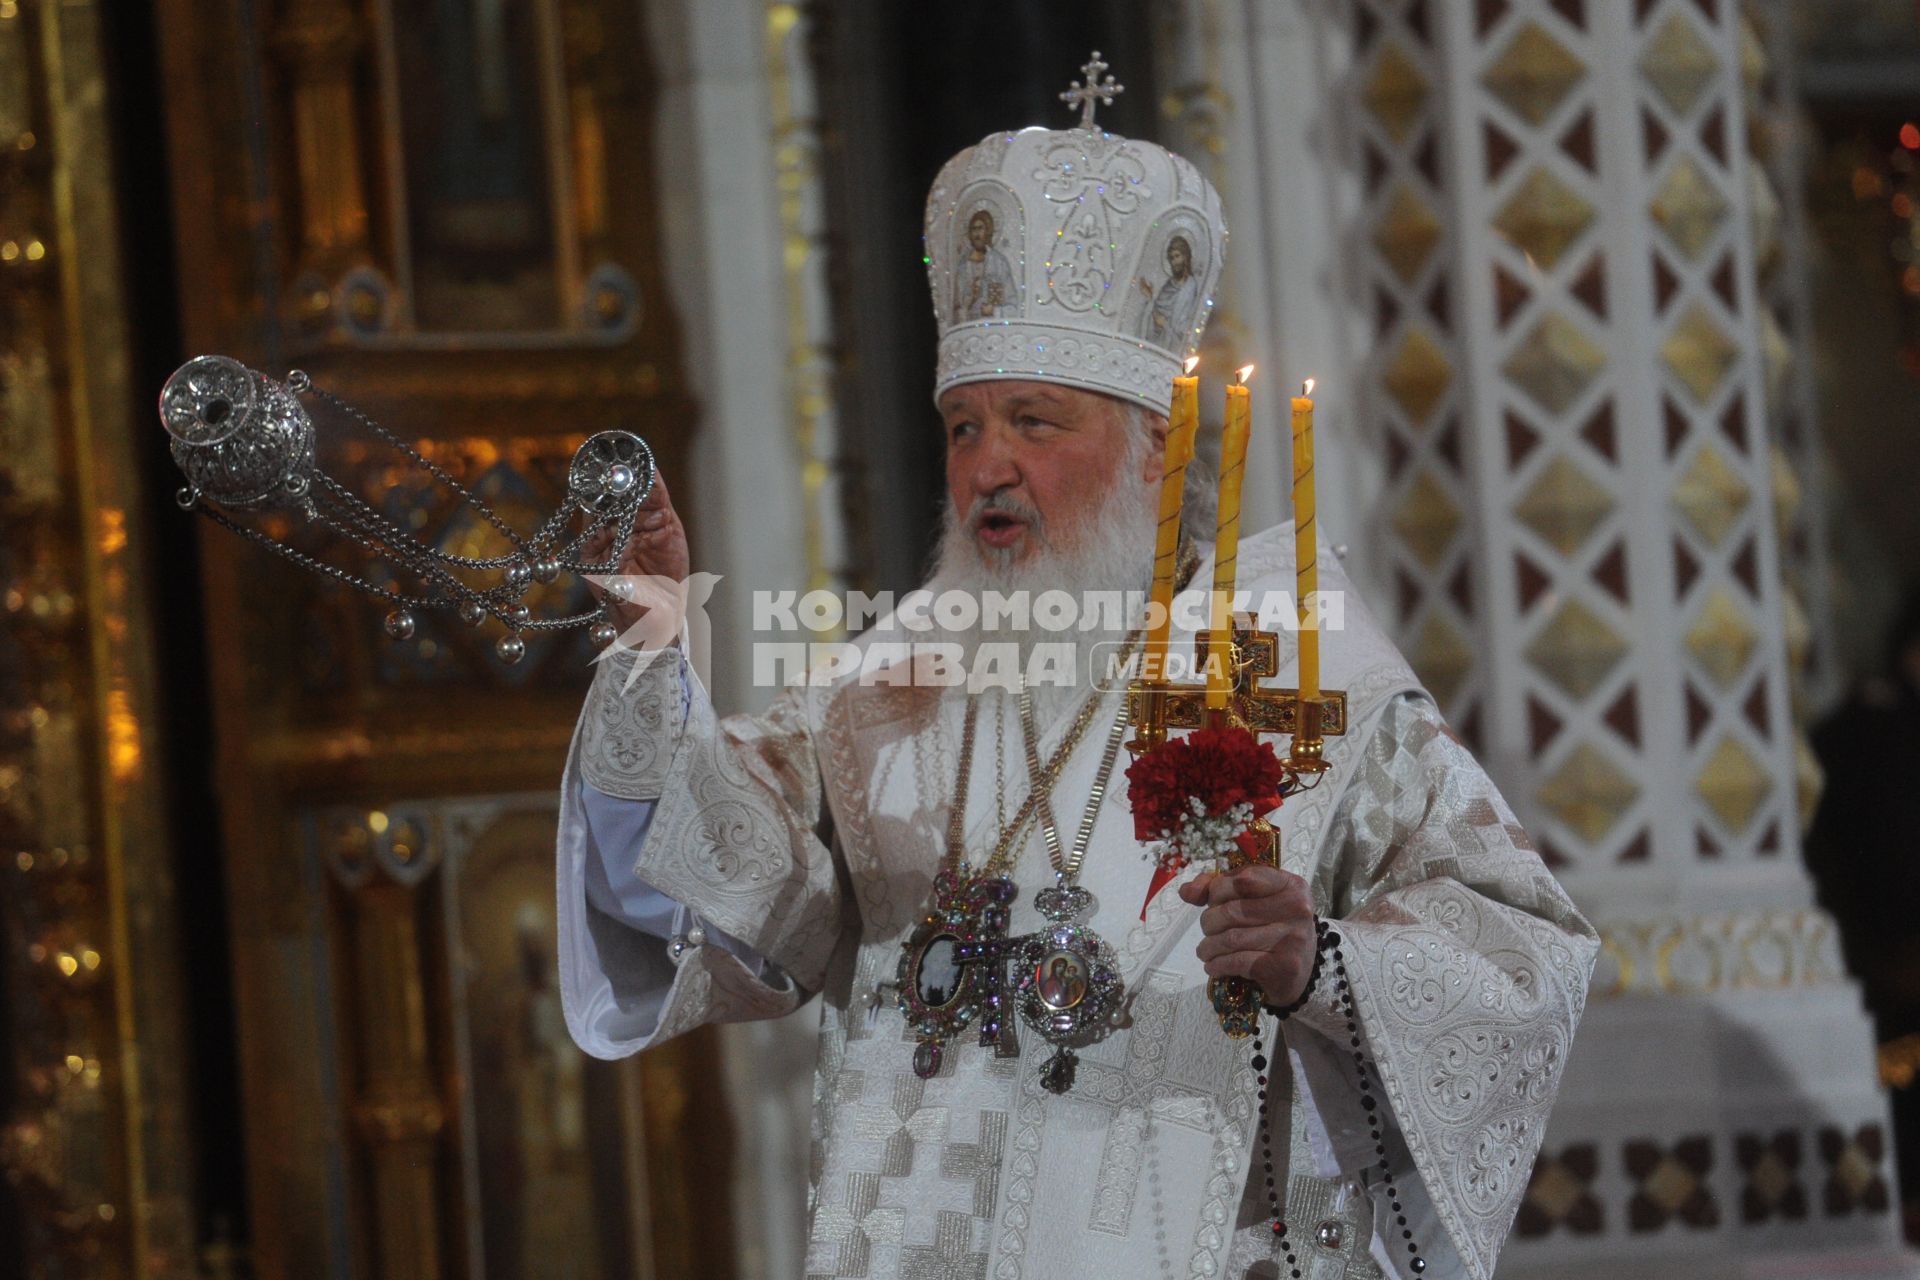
<point>949,974</point>
<point>1070,989</point>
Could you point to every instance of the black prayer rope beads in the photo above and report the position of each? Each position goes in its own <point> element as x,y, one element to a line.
<point>1328,943</point>
<point>1313,976</point>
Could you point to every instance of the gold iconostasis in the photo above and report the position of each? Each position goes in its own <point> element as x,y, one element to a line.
<point>450,212</point>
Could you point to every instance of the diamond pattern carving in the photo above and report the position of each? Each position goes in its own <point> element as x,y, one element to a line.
<point>1753,56</point>
<point>1561,1194</point>
<point>1563,505</point>
<point>1555,363</point>
<point>1576,649</point>
<point>1699,352</point>
<point>1678,63</point>
<point>1771,1165</point>
<point>1786,491</point>
<point>1733,784</point>
<point>1688,207</point>
<point>1417,375</point>
<point>1396,92</point>
<point>1711,495</point>
<point>1797,628</point>
<point>1809,780</point>
<point>1763,214</point>
<point>1588,793</point>
<point>1853,1164</point>
<point>1776,357</point>
<point>1722,638</point>
<point>1441,657</point>
<point>1407,233</point>
<point>1533,74</point>
<point>1670,1184</point>
<point>1552,1196</point>
<point>1544,216</point>
<point>1428,519</point>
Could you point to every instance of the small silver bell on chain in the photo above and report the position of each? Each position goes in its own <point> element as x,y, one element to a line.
<point>472,612</point>
<point>518,575</point>
<point>602,634</point>
<point>510,648</point>
<point>517,614</point>
<point>546,569</point>
<point>400,624</point>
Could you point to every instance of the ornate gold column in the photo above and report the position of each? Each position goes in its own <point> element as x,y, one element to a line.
<point>319,42</point>
<point>398,1112</point>
<point>96,1145</point>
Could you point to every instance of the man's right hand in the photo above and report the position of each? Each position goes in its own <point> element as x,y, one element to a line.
<point>657,548</point>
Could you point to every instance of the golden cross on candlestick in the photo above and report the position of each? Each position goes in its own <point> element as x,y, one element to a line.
<point>1094,90</point>
<point>1155,706</point>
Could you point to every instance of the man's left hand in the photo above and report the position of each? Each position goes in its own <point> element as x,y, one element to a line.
<point>1258,924</point>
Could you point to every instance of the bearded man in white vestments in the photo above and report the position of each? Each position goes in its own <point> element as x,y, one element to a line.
<point>714,870</point>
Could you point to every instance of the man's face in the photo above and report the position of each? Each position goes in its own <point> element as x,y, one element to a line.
<point>1044,455</point>
<point>979,231</point>
<point>1178,261</point>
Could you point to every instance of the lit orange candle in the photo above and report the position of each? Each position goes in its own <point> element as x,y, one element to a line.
<point>1226,540</point>
<point>1183,423</point>
<point>1306,544</point>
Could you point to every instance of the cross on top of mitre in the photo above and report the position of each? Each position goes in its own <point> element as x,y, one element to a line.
<point>1094,90</point>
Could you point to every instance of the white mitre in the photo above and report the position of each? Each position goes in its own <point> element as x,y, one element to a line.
<point>1053,255</point>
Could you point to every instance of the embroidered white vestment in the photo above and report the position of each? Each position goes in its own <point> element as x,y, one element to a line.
<point>811,833</point>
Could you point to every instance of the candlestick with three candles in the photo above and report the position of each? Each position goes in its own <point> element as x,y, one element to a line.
<point>1232,707</point>
<point>1233,654</point>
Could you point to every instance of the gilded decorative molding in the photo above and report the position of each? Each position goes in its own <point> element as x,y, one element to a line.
<point>803,252</point>
<point>96,1144</point>
<point>1716,953</point>
<point>321,42</point>
<point>398,1112</point>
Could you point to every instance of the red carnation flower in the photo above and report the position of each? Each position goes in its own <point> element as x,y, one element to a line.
<point>1189,793</point>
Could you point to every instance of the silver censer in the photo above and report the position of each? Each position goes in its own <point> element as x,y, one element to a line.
<point>246,443</point>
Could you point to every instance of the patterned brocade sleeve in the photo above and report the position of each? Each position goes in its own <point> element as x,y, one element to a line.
<point>737,831</point>
<point>1468,963</point>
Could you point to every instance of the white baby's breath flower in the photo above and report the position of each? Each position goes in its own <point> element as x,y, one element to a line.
<point>1201,836</point>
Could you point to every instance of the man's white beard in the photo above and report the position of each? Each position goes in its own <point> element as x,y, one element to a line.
<point>1109,551</point>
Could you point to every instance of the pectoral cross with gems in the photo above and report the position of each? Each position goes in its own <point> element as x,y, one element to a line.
<point>1094,90</point>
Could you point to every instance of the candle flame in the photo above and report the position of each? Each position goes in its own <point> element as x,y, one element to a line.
<point>1306,388</point>
<point>1193,362</point>
<point>1246,371</point>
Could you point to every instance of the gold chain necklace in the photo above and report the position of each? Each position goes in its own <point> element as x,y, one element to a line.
<point>1043,780</point>
<point>1067,869</point>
